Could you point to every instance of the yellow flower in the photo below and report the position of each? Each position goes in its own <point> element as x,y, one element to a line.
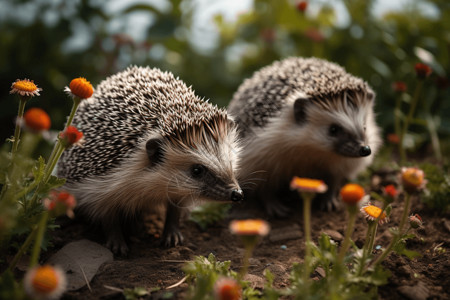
<point>227,289</point>
<point>413,179</point>
<point>80,88</point>
<point>249,227</point>
<point>308,185</point>
<point>352,193</point>
<point>25,87</point>
<point>45,282</point>
<point>371,212</point>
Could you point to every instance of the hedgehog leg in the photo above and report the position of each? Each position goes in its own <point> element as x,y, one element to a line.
<point>328,201</point>
<point>114,238</point>
<point>172,235</point>
<point>273,205</point>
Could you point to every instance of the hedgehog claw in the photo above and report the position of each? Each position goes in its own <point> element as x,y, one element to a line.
<point>276,209</point>
<point>172,239</point>
<point>117,245</point>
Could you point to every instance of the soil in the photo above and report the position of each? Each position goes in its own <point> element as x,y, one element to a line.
<point>150,266</point>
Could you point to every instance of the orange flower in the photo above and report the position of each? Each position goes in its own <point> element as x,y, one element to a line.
<point>302,6</point>
<point>422,70</point>
<point>352,193</point>
<point>308,185</point>
<point>249,227</point>
<point>25,87</point>
<point>227,289</point>
<point>80,88</point>
<point>413,179</point>
<point>371,212</point>
<point>37,119</point>
<point>60,202</point>
<point>71,136</point>
<point>45,282</point>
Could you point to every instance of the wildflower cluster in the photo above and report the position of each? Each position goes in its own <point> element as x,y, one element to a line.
<point>351,272</point>
<point>29,194</point>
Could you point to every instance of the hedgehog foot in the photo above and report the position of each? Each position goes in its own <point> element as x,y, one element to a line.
<point>116,243</point>
<point>276,209</point>
<point>172,235</point>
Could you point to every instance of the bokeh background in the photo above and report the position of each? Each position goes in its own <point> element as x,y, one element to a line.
<point>214,45</point>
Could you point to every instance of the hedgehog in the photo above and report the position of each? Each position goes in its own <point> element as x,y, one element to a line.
<point>303,117</point>
<point>149,141</point>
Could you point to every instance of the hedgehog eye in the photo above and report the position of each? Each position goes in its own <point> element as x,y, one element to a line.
<point>334,130</point>
<point>198,171</point>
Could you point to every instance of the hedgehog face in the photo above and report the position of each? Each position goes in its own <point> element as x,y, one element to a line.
<point>336,126</point>
<point>203,172</point>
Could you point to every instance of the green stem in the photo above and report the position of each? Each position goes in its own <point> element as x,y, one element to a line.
<point>368,244</point>
<point>245,262</point>
<point>348,233</point>
<point>408,119</point>
<point>15,146</point>
<point>405,213</point>
<point>397,236</point>
<point>76,103</point>
<point>39,236</point>
<point>307,199</point>
<point>23,248</point>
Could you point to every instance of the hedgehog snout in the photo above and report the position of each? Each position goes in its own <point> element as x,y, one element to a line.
<point>237,195</point>
<point>365,151</point>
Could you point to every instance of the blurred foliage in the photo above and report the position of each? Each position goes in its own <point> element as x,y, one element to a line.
<point>52,41</point>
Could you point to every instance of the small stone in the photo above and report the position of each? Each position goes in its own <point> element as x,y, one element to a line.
<point>415,292</point>
<point>334,235</point>
<point>256,282</point>
<point>284,247</point>
<point>285,233</point>
<point>80,259</point>
<point>446,224</point>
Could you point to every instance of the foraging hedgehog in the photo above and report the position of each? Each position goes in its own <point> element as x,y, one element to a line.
<point>148,140</point>
<point>305,117</point>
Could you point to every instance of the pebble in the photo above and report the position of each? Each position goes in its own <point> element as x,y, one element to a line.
<point>80,257</point>
<point>334,235</point>
<point>284,247</point>
<point>285,233</point>
<point>415,292</point>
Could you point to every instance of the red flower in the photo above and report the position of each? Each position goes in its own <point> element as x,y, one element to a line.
<point>227,289</point>
<point>70,136</point>
<point>37,119</point>
<point>314,34</point>
<point>393,138</point>
<point>415,221</point>
<point>422,70</point>
<point>399,86</point>
<point>391,192</point>
<point>268,35</point>
<point>302,6</point>
<point>60,202</point>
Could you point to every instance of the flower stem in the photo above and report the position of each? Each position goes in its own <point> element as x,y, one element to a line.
<point>348,233</point>
<point>245,263</point>
<point>38,241</point>
<point>23,248</point>
<point>408,119</point>
<point>307,199</point>
<point>15,146</point>
<point>368,245</point>
<point>398,235</point>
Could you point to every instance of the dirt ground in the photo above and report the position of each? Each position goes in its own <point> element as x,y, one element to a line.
<point>149,266</point>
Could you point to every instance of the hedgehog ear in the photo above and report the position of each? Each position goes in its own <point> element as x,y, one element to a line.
<point>154,151</point>
<point>300,110</point>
